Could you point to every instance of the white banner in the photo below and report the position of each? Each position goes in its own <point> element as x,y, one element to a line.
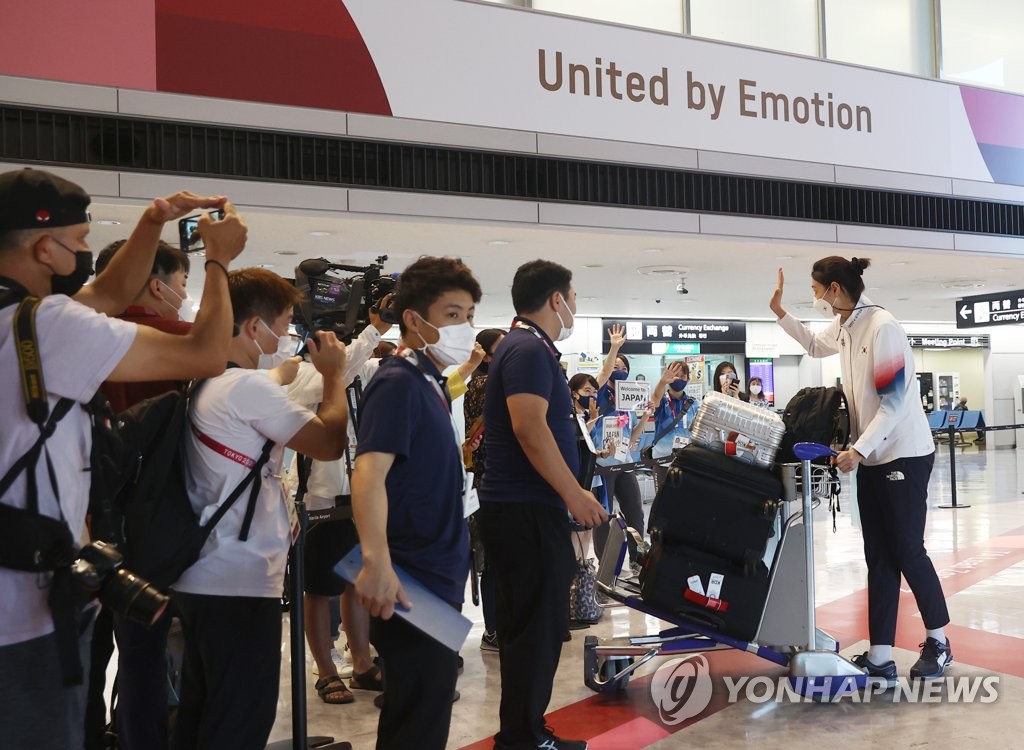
<point>482,64</point>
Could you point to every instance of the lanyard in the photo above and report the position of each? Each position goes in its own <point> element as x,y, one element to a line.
<point>527,327</point>
<point>410,356</point>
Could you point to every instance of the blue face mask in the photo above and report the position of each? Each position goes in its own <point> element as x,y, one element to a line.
<point>584,401</point>
<point>618,375</point>
<point>678,385</point>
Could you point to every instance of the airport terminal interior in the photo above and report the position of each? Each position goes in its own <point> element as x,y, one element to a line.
<point>681,158</point>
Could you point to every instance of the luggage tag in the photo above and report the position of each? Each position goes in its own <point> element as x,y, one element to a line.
<point>715,586</point>
<point>470,499</point>
<point>695,585</point>
<point>622,452</point>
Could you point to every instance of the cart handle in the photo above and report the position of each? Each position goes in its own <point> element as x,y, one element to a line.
<point>811,451</point>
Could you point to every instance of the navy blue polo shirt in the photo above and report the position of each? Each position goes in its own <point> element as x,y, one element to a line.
<point>403,414</point>
<point>525,363</point>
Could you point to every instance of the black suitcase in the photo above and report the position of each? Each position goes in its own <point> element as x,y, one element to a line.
<point>737,613</point>
<point>717,504</point>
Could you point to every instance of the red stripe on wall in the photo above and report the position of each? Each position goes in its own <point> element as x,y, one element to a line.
<point>316,58</point>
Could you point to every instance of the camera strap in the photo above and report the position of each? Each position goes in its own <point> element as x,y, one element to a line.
<point>37,406</point>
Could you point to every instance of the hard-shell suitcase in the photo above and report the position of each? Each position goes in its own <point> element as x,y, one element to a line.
<point>716,504</point>
<point>736,609</point>
<point>742,430</point>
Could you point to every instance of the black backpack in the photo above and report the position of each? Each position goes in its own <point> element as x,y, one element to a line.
<point>816,415</point>
<point>159,531</point>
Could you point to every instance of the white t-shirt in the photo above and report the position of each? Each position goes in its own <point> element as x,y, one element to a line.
<point>328,479</point>
<point>240,409</point>
<point>78,349</point>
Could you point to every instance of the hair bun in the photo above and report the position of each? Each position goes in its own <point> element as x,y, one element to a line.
<point>858,265</point>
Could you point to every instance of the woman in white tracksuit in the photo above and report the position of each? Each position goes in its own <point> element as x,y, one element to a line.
<point>892,451</point>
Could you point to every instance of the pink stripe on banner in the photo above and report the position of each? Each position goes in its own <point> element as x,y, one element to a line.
<point>639,732</point>
<point>996,118</point>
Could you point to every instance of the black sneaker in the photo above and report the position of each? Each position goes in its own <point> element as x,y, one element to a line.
<point>550,742</point>
<point>489,642</point>
<point>877,672</point>
<point>935,657</point>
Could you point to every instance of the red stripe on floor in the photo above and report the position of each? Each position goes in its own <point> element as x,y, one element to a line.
<point>639,732</point>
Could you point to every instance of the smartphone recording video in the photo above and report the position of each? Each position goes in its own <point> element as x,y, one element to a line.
<point>188,232</point>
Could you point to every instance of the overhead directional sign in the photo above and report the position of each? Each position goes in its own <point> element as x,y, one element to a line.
<point>999,309</point>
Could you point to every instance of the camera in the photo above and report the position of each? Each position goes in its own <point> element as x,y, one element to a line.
<point>100,570</point>
<point>681,288</point>
<point>188,232</point>
<point>342,303</point>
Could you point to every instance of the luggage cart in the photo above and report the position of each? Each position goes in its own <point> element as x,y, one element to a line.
<point>787,634</point>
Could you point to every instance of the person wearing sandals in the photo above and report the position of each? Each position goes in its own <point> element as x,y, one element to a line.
<point>408,498</point>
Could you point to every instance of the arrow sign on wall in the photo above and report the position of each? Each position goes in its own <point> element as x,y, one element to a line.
<point>1000,309</point>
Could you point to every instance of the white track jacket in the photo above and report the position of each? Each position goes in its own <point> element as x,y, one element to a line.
<point>887,420</point>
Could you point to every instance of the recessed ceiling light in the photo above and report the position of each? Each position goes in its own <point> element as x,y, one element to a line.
<point>998,270</point>
<point>653,250</point>
<point>903,299</point>
<point>264,265</point>
<point>498,243</point>
<point>320,233</point>
<point>784,257</point>
<point>662,270</point>
<point>874,288</point>
<point>286,252</point>
<point>593,265</point>
<point>899,263</point>
<point>108,222</point>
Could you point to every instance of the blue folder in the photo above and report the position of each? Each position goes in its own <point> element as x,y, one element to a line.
<point>429,613</point>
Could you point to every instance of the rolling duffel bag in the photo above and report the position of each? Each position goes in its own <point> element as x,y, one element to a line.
<point>706,589</point>
<point>716,504</point>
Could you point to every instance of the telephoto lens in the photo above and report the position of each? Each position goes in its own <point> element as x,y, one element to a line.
<point>100,569</point>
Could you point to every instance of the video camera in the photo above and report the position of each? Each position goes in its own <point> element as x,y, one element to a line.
<point>342,304</point>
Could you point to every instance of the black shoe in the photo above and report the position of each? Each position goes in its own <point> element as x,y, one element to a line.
<point>567,637</point>
<point>878,672</point>
<point>579,624</point>
<point>460,662</point>
<point>550,742</point>
<point>935,657</point>
<point>378,700</point>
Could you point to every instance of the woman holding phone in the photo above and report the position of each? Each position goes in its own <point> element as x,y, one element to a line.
<point>727,382</point>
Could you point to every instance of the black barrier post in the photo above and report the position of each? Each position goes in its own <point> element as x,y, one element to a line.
<point>951,432</point>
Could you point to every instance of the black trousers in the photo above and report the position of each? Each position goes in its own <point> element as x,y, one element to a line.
<point>142,705</point>
<point>623,488</point>
<point>419,681</point>
<point>893,500</point>
<point>531,557</point>
<point>231,671</point>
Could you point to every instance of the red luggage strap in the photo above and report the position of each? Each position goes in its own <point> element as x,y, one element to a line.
<point>223,450</point>
<point>707,602</point>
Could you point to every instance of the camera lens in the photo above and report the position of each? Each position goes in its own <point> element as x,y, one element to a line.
<point>132,597</point>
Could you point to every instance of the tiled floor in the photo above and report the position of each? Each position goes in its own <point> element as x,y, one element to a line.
<point>979,553</point>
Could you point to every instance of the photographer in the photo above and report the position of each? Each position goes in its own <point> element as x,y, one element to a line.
<point>230,599</point>
<point>407,497</point>
<point>141,716</point>
<point>328,542</point>
<point>44,253</point>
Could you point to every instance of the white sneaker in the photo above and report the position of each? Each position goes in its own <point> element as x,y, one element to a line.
<point>342,664</point>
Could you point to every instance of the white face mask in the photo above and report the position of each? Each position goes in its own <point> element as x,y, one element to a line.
<point>285,349</point>
<point>186,305</point>
<point>566,331</point>
<point>824,307</point>
<point>455,344</point>
<point>755,389</point>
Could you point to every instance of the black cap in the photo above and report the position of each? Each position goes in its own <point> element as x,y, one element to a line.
<point>34,199</point>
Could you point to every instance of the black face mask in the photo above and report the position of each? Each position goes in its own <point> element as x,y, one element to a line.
<point>69,284</point>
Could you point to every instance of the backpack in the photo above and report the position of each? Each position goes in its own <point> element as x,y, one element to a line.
<point>815,415</point>
<point>160,533</point>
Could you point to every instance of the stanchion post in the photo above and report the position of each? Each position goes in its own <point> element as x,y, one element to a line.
<point>951,432</point>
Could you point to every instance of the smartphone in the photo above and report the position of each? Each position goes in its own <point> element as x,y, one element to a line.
<point>188,232</point>
<point>475,430</point>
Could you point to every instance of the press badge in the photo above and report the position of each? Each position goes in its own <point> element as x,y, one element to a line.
<point>622,452</point>
<point>470,499</point>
